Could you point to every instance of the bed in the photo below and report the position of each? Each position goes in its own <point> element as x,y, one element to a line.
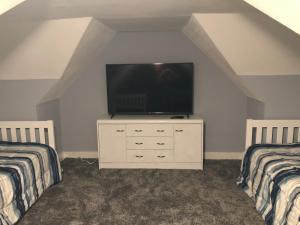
<point>270,170</point>
<point>29,165</point>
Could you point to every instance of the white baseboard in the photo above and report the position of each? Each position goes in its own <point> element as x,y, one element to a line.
<point>223,155</point>
<point>83,154</point>
<point>207,155</point>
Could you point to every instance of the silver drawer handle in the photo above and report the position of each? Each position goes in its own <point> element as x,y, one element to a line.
<point>179,130</point>
<point>161,156</point>
<point>138,131</point>
<point>120,130</point>
<point>160,131</point>
<point>139,156</point>
<point>160,143</point>
<point>138,143</point>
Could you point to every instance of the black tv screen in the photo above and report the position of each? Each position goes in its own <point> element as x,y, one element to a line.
<point>157,88</point>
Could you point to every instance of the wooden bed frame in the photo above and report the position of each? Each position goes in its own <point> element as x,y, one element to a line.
<point>28,131</point>
<point>272,131</point>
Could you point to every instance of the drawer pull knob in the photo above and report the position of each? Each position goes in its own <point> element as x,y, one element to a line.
<point>160,131</point>
<point>138,131</point>
<point>161,156</point>
<point>160,143</point>
<point>139,156</point>
<point>138,143</point>
<point>179,130</point>
<point>120,130</point>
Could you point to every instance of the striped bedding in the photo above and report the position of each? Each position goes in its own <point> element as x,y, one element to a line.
<point>270,175</point>
<point>26,171</point>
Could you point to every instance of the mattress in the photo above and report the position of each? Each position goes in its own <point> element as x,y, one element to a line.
<point>270,175</point>
<point>26,171</point>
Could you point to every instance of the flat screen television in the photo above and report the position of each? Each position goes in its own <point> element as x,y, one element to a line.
<point>157,88</point>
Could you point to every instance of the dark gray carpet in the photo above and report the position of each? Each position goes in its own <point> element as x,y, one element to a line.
<point>151,197</point>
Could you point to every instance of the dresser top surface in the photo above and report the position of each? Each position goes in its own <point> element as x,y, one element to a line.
<point>148,119</point>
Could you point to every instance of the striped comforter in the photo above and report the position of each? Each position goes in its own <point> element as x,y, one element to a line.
<point>26,171</point>
<point>270,175</point>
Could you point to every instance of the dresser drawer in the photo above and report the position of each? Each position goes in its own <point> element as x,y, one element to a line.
<point>162,156</point>
<point>150,156</point>
<point>162,130</point>
<point>139,156</point>
<point>149,142</point>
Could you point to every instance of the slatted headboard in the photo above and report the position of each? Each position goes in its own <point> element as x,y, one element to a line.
<point>272,131</point>
<point>28,131</point>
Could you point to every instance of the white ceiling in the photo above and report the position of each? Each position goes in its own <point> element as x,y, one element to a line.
<point>7,5</point>
<point>125,15</point>
<point>285,12</point>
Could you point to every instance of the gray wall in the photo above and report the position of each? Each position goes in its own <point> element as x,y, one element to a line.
<point>217,99</point>
<point>223,106</point>
<point>279,93</point>
<point>18,98</point>
<point>51,111</point>
<point>255,109</point>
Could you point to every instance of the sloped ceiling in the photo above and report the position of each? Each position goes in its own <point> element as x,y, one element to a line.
<point>38,50</point>
<point>249,44</point>
<point>240,35</point>
<point>6,5</point>
<point>119,9</point>
<point>195,32</point>
<point>94,39</point>
<point>285,12</point>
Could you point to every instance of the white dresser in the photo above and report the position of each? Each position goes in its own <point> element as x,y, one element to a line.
<point>150,142</point>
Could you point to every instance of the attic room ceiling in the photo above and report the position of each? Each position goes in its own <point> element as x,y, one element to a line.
<point>125,15</point>
<point>230,28</point>
<point>285,12</point>
<point>7,5</point>
<point>262,46</point>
